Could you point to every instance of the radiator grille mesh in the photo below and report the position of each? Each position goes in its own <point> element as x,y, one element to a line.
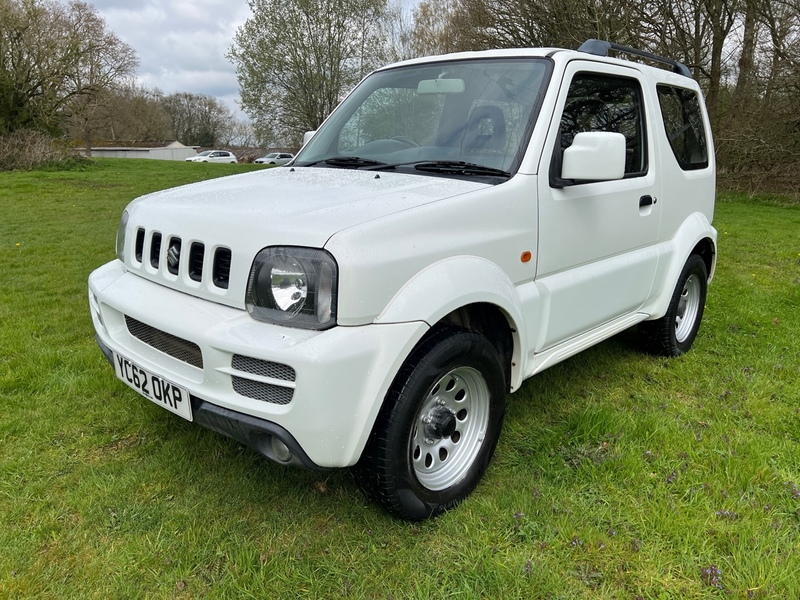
<point>263,368</point>
<point>259,390</point>
<point>176,347</point>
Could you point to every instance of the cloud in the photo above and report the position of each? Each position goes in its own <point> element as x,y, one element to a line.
<point>181,44</point>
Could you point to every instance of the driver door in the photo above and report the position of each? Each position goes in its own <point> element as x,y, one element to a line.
<point>597,259</point>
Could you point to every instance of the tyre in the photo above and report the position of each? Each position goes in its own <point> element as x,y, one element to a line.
<point>438,427</point>
<point>674,333</point>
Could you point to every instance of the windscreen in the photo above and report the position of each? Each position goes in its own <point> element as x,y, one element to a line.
<point>478,112</point>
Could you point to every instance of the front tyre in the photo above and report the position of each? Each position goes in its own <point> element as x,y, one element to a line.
<point>674,333</point>
<point>438,427</point>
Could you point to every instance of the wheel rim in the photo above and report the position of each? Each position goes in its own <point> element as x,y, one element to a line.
<point>450,428</point>
<point>688,307</point>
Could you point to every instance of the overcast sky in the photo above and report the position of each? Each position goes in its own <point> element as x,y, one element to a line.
<point>181,44</point>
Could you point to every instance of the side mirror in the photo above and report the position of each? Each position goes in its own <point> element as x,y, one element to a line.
<point>307,136</point>
<point>594,156</point>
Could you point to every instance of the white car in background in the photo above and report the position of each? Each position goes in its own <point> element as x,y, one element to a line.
<point>275,158</point>
<point>213,156</point>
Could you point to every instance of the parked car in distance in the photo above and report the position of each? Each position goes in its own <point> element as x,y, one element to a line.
<point>213,156</point>
<point>275,158</point>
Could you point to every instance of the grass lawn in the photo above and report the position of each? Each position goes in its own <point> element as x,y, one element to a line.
<point>618,475</point>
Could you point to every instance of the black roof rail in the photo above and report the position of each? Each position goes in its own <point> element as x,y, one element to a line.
<point>601,48</point>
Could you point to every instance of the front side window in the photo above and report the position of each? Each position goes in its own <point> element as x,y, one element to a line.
<point>683,123</point>
<point>598,102</point>
<point>428,119</point>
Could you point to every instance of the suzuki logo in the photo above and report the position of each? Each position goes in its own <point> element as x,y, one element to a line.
<point>174,255</point>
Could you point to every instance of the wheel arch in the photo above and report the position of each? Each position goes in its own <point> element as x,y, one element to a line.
<point>493,324</point>
<point>707,250</point>
<point>468,292</point>
<point>695,236</point>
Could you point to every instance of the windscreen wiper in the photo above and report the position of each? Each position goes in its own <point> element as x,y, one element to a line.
<point>352,162</point>
<point>458,167</point>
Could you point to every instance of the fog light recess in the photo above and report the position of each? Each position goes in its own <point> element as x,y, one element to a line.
<point>281,450</point>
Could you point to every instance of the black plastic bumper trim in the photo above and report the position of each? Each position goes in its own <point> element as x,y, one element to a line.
<point>250,431</point>
<point>105,350</point>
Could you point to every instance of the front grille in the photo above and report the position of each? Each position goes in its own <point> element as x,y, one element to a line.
<point>258,390</point>
<point>168,253</point>
<point>183,350</point>
<point>263,368</point>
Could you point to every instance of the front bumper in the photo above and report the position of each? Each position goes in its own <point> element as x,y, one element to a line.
<point>317,392</point>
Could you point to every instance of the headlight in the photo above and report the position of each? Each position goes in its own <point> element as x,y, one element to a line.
<point>123,226</point>
<point>293,286</point>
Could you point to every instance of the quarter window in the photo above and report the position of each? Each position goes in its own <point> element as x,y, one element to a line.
<point>683,123</point>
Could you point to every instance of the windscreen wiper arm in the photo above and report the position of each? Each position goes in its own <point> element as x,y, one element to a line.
<point>458,167</point>
<point>353,162</point>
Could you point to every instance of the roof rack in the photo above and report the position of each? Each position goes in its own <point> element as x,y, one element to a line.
<point>601,48</point>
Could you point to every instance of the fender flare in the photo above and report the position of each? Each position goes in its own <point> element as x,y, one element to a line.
<point>453,283</point>
<point>675,252</point>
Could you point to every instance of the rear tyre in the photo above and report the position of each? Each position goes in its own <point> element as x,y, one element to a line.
<point>674,333</point>
<point>438,427</point>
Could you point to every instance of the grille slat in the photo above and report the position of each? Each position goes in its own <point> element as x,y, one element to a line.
<point>183,350</point>
<point>266,392</point>
<point>263,368</point>
<point>222,268</point>
<point>155,250</point>
<point>139,245</point>
<point>197,253</point>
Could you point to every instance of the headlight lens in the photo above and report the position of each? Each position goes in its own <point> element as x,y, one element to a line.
<point>293,286</point>
<point>123,226</point>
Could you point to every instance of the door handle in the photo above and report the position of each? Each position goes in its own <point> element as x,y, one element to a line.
<point>647,201</point>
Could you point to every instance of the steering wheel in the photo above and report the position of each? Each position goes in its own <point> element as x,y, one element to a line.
<point>406,140</point>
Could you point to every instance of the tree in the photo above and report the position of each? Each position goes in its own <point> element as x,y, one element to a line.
<point>197,119</point>
<point>744,53</point>
<point>104,62</point>
<point>56,62</point>
<point>483,24</point>
<point>127,113</point>
<point>295,59</point>
<point>436,28</point>
<point>239,134</point>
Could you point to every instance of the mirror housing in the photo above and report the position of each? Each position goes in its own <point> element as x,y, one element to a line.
<point>307,136</point>
<point>594,156</point>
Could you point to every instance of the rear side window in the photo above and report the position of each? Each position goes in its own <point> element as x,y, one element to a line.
<point>683,123</point>
<point>607,103</point>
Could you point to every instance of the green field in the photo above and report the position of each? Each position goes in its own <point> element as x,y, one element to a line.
<point>618,475</point>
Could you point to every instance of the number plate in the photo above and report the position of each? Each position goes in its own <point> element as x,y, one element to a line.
<point>153,387</point>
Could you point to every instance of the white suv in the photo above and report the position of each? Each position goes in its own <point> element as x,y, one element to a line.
<point>213,156</point>
<point>275,158</point>
<point>458,224</point>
